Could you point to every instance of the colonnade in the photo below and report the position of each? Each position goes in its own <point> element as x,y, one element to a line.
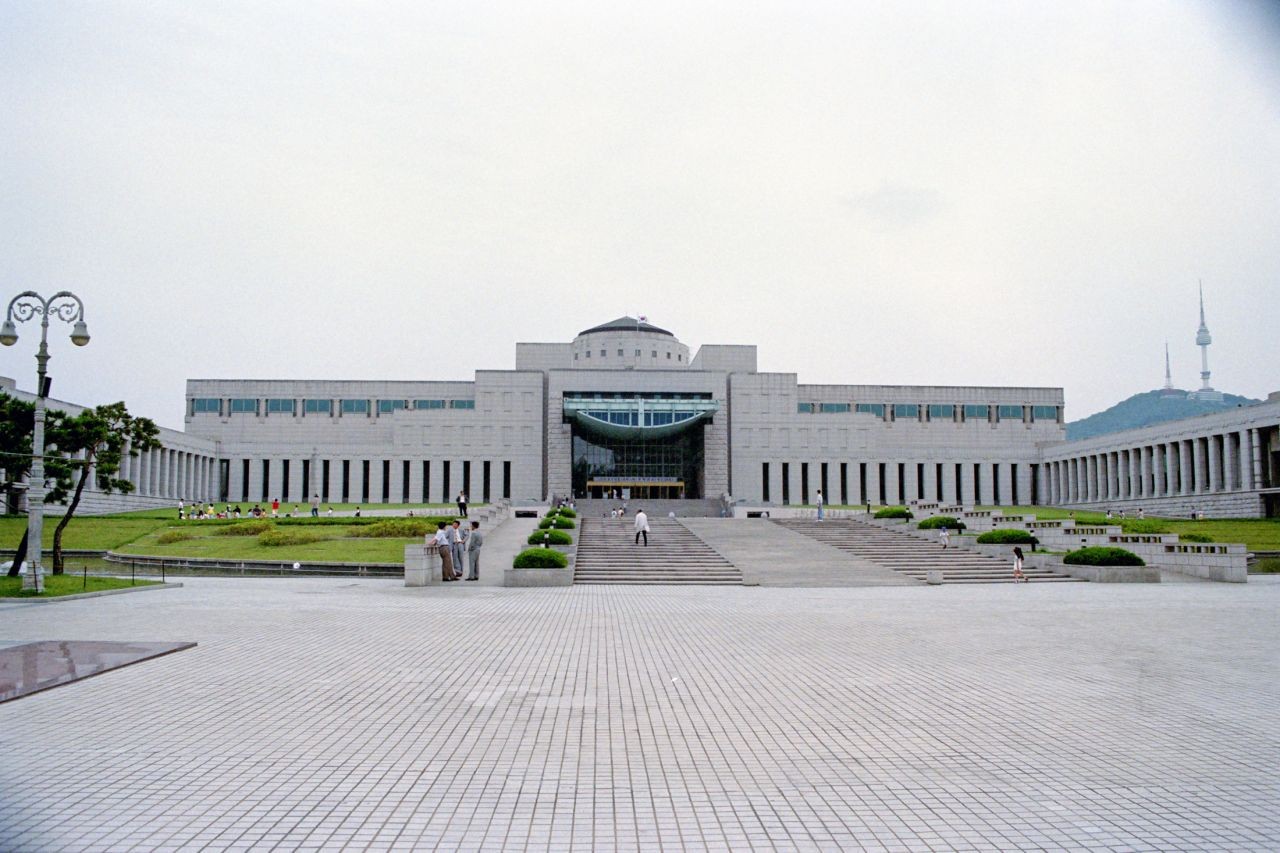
<point>1207,464</point>
<point>346,479</point>
<point>170,473</point>
<point>898,482</point>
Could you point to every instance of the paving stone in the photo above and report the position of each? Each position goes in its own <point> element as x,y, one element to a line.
<point>321,714</point>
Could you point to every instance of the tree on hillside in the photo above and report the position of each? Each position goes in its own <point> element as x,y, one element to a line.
<point>17,420</point>
<point>92,443</point>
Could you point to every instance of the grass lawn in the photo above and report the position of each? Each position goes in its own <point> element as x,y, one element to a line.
<point>1259,534</point>
<point>304,509</point>
<point>337,545</point>
<point>91,533</point>
<point>56,585</point>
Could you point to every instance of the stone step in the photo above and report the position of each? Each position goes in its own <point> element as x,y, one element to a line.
<point>607,553</point>
<point>911,555</point>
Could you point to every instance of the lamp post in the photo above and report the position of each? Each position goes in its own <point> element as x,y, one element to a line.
<point>66,306</point>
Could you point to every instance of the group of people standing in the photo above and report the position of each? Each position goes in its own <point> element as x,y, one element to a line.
<point>459,548</point>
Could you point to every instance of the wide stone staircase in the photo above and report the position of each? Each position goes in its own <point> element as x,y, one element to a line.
<point>607,554</point>
<point>912,556</point>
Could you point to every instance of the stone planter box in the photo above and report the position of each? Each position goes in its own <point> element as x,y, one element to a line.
<point>538,577</point>
<point>1113,574</point>
<point>422,565</point>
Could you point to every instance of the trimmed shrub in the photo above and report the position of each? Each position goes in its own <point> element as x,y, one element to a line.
<point>1194,537</point>
<point>1102,557</point>
<point>171,536</point>
<point>558,522</point>
<point>1005,537</point>
<point>554,537</point>
<point>245,528</point>
<point>539,558</point>
<point>939,521</point>
<point>571,513</point>
<point>277,538</point>
<point>893,512</point>
<point>1266,566</point>
<point>395,528</point>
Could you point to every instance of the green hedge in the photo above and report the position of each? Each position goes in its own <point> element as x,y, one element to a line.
<point>939,521</point>
<point>1005,537</point>
<point>554,537</point>
<point>245,528</point>
<point>396,528</point>
<point>1103,557</point>
<point>571,513</point>
<point>277,538</point>
<point>1194,537</point>
<point>557,522</point>
<point>893,512</point>
<point>540,558</point>
<point>1141,525</point>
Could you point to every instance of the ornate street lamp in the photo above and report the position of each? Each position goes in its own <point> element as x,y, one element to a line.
<point>66,306</point>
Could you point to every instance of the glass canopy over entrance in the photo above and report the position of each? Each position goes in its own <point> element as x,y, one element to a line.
<point>639,446</point>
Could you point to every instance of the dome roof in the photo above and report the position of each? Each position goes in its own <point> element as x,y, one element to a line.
<point>626,324</point>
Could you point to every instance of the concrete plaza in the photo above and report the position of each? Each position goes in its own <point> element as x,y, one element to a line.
<point>330,713</point>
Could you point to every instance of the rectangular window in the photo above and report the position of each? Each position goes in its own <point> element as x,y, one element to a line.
<point>668,356</point>
<point>506,480</point>
<point>833,408</point>
<point>346,481</point>
<point>355,407</point>
<point>428,404</point>
<point>1044,413</point>
<point>386,481</point>
<point>941,412</point>
<point>244,482</point>
<point>462,404</point>
<point>466,478</point>
<point>905,411</point>
<point>1013,485</point>
<point>306,479</point>
<point>826,495</point>
<point>937,482</point>
<point>973,412</point>
<point>862,483</point>
<point>317,407</point>
<point>604,353</point>
<point>284,480</point>
<point>445,497</point>
<point>804,408</point>
<point>637,353</point>
<point>876,409</point>
<point>588,353</point>
<point>404,482</point>
<point>804,483</point>
<point>364,481</point>
<point>844,483</point>
<point>244,406</point>
<point>266,480</point>
<point>276,405</point>
<point>1009,413</point>
<point>764,482</point>
<point>995,484</point>
<point>324,480</point>
<point>919,481</point>
<point>206,406</point>
<point>786,482</point>
<point>884,488</point>
<point>619,353</point>
<point>484,482</point>
<point>388,406</point>
<point>426,481</point>
<point>653,353</point>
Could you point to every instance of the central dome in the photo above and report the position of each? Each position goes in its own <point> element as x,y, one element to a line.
<point>626,324</point>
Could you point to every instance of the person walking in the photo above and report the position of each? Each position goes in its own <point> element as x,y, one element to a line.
<point>462,504</point>
<point>315,506</point>
<point>820,502</point>
<point>441,539</point>
<point>275,507</point>
<point>459,549</point>
<point>944,536</point>
<point>475,541</point>
<point>642,527</point>
<point>1017,566</point>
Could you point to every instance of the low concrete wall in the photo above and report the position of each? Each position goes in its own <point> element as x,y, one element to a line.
<point>422,565</point>
<point>538,577</point>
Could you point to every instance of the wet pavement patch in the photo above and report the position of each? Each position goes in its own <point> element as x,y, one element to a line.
<point>32,667</point>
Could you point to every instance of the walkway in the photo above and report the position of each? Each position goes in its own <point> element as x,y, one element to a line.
<point>324,713</point>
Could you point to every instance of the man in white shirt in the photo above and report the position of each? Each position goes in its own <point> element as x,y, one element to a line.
<point>642,527</point>
<point>820,503</point>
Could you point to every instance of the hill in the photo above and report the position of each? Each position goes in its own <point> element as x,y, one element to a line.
<point>1152,407</point>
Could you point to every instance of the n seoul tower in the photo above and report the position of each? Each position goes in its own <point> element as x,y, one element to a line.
<point>1203,339</point>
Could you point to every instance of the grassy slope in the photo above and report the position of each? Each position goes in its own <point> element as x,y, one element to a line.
<point>1261,534</point>
<point>57,585</point>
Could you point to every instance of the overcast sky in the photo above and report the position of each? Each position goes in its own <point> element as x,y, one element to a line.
<point>949,193</point>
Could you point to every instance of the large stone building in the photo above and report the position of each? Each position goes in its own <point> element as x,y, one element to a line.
<point>627,406</point>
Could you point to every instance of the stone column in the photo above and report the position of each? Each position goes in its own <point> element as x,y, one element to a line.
<point>1229,467</point>
<point>1215,464</point>
<point>415,480</point>
<point>987,484</point>
<point>255,481</point>
<point>1255,447</point>
<point>891,494</point>
<point>395,486</point>
<point>1198,480</point>
<point>873,483</point>
<point>1184,468</point>
<point>1005,477</point>
<point>1245,461</point>
<point>950,488</point>
<point>1024,484</point>
<point>910,482</point>
<point>375,480</point>
<point>335,483</point>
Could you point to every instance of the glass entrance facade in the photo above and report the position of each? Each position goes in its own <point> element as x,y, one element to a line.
<point>669,467</point>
